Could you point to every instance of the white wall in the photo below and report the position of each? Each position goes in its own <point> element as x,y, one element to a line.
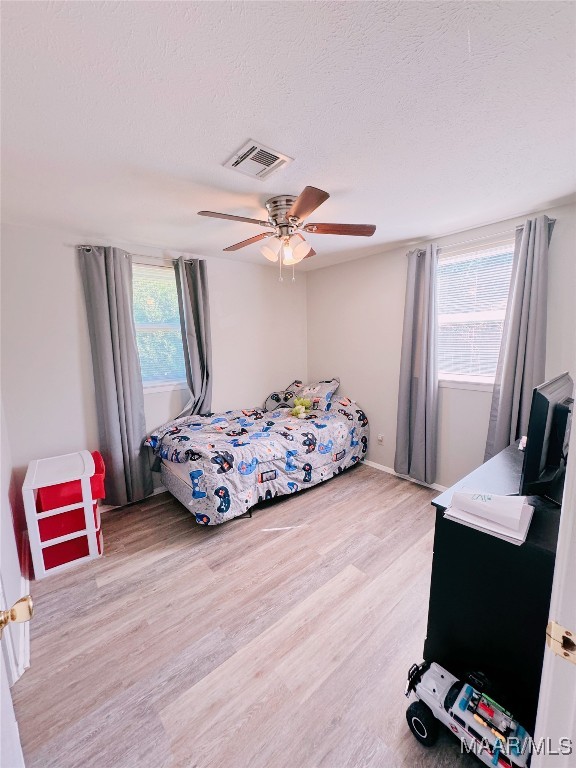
<point>258,336</point>
<point>259,332</point>
<point>47,385</point>
<point>355,316</point>
<point>463,416</point>
<point>561,336</point>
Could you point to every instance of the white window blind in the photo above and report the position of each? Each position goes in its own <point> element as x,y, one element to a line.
<point>473,286</point>
<point>157,322</point>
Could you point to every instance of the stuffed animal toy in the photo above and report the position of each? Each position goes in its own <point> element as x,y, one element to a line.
<point>302,407</point>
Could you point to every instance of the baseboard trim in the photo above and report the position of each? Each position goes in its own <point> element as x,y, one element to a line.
<point>390,471</point>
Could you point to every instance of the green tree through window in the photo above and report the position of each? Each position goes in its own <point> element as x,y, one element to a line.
<point>157,323</point>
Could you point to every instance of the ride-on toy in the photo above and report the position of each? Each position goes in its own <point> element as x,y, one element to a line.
<point>482,725</point>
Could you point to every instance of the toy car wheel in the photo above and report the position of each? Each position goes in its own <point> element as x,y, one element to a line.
<point>422,723</point>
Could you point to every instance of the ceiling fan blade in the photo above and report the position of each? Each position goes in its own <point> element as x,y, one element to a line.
<point>250,240</point>
<point>363,230</point>
<point>307,202</point>
<point>230,217</point>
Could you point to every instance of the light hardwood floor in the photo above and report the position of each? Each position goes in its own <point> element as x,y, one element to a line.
<point>280,641</point>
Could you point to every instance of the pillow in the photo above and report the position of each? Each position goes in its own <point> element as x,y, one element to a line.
<point>346,402</point>
<point>295,386</point>
<point>320,393</point>
<point>282,399</point>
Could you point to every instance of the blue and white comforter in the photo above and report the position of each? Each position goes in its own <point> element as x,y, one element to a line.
<point>239,458</point>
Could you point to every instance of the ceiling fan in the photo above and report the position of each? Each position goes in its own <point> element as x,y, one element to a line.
<point>286,215</point>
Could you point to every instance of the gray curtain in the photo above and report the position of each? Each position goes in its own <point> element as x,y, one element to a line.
<point>107,281</point>
<point>522,359</point>
<point>417,421</point>
<point>192,283</point>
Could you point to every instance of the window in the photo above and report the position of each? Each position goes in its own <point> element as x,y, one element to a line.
<point>157,323</point>
<point>473,287</point>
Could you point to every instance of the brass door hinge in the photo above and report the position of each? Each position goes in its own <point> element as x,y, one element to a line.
<point>562,641</point>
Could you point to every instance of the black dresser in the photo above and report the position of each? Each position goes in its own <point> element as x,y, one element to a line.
<point>489,599</point>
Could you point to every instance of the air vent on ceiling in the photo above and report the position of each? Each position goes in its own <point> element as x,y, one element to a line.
<point>256,160</point>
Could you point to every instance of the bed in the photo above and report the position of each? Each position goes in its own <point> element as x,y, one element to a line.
<point>219,466</point>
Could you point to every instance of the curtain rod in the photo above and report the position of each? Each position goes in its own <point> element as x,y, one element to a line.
<point>165,259</point>
<point>507,232</point>
<point>173,259</point>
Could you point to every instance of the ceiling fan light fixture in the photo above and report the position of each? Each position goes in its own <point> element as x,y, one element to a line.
<point>294,250</point>
<point>300,248</point>
<point>287,253</point>
<point>271,248</point>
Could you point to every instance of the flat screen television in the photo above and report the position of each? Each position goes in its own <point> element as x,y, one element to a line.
<point>546,451</point>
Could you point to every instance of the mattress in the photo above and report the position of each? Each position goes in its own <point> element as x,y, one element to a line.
<point>182,471</point>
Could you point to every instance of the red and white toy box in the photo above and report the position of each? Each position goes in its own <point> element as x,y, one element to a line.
<point>61,503</point>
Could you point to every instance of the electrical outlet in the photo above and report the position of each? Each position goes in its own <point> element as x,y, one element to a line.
<point>380,438</point>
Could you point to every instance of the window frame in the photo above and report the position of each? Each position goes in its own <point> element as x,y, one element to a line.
<point>470,381</point>
<point>161,385</point>
<point>153,388</point>
<point>466,381</point>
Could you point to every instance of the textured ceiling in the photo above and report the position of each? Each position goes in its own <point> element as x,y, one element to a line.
<point>420,117</point>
